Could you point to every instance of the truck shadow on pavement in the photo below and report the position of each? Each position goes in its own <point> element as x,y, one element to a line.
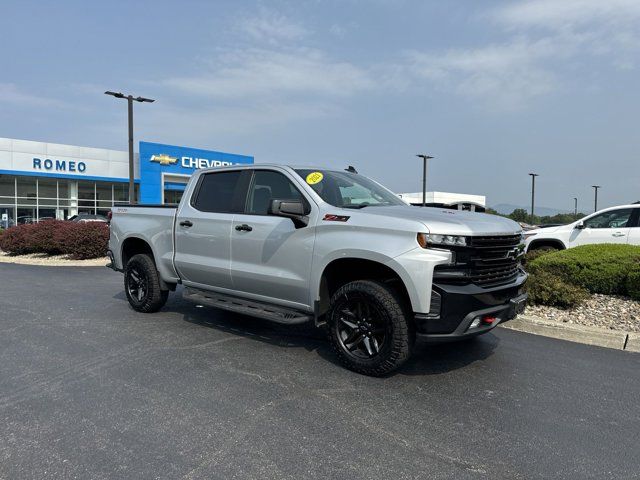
<point>427,359</point>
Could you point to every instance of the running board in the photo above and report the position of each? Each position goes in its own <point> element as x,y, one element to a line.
<point>266,311</point>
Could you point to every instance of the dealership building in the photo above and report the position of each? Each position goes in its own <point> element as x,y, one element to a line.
<point>49,180</point>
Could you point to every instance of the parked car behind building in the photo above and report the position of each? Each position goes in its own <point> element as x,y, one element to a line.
<point>86,217</point>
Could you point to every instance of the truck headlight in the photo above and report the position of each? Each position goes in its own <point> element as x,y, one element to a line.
<point>427,239</point>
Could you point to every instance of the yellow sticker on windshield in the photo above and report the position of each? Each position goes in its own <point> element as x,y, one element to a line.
<point>314,177</point>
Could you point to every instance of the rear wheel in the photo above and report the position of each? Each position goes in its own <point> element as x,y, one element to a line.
<point>369,328</point>
<point>142,284</point>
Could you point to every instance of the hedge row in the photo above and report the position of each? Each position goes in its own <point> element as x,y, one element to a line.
<point>565,278</point>
<point>78,240</point>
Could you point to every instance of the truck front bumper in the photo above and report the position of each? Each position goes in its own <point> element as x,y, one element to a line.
<point>469,310</point>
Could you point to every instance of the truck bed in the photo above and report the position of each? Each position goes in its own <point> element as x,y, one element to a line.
<point>151,223</point>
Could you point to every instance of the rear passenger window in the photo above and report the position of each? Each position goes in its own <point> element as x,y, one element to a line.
<point>216,192</point>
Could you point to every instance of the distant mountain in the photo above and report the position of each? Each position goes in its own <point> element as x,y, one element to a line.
<point>507,208</point>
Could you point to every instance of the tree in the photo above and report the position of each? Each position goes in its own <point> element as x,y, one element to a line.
<point>519,215</point>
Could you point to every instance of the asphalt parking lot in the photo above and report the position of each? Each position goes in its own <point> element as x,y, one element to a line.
<point>91,389</point>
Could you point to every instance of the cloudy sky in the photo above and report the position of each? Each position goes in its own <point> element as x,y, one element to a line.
<point>492,89</point>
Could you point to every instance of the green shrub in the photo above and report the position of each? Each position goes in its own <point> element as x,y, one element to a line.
<point>545,288</point>
<point>633,284</point>
<point>600,268</point>
<point>533,254</point>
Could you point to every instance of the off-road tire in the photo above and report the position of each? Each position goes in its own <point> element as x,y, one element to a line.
<point>400,332</point>
<point>153,297</point>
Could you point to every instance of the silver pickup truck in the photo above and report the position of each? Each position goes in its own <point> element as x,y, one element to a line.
<point>295,245</point>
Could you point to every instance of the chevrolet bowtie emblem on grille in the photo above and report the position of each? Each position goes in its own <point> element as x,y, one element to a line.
<point>513,254</point>
<point>164,159</point>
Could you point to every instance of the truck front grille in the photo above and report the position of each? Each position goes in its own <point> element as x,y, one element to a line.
<point>487,261</point>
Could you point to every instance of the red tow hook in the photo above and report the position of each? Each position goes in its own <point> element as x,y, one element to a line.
<point>489,320</point>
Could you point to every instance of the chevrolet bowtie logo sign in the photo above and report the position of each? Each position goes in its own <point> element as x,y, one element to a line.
<point>164,159</point>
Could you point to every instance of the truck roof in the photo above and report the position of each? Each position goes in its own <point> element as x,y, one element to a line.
<point>269,165</point>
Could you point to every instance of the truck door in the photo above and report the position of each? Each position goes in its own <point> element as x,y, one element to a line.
<point>203,229</point>
<point>270,257</point>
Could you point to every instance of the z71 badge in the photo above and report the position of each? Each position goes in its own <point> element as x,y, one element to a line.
<point>329,217</point>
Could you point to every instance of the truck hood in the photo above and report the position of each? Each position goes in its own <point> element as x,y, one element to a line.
<point>445,221</point>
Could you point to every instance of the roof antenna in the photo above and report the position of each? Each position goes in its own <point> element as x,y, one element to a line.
<point>350,169</point>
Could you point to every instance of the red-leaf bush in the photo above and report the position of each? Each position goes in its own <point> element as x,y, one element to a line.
<point>84,240</point>
<point>17,240</point>
<point>78,240</point>
<point>42,237</point>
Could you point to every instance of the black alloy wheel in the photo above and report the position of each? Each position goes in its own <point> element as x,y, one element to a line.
<point>362,328</point>
<point>142,284</point>
<point>370,328</point>
<point>137,284</point>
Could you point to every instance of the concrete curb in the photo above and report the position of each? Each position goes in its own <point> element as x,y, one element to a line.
<point>633,342</point>
<point>600,337</point>
<point>52,262</point>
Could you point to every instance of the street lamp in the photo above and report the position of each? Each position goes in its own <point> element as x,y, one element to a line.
<point>424,177</point>
<point>595,206</point>
<point>533,192</point>
<point>130,99</point>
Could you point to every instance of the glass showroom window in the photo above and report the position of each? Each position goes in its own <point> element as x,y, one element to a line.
<point>38,199</point>
<point>7,200</point>
<point>87,197</point>
<point>172,197</point>
<point>64,200</point>
<point>97,198</point>
<point>47,200</point>
<point>104,198</point>
<point>27,196</point>
<point>120,194</point>
<point>30,199</point>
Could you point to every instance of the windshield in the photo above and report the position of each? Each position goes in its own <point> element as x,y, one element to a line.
<point>347,190</point>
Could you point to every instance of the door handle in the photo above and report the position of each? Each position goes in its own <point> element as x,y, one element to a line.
<point>186,223</point>
<point>244,228</point>
<point>618,234</point>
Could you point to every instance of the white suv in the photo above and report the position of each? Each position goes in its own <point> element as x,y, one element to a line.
<point>612,225</point>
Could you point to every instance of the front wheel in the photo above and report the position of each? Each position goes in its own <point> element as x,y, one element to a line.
<point>142,284</point>
<point>369,328</point>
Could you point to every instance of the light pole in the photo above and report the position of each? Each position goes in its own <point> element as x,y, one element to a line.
<point>595,206</point>
<point>130,100</point>
<point>424,177</point>
<point>533,192</point>
<point>575,207</point>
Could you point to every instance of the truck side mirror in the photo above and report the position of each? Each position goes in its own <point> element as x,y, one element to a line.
<point>293,209</point>
<point>579,226</point>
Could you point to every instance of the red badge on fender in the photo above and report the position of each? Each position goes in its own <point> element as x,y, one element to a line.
<point>329,217</point>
